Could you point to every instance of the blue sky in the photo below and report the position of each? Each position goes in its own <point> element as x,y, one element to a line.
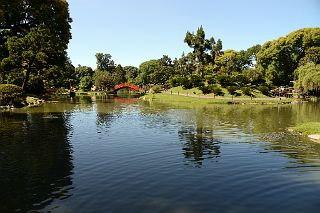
<point>134,31</point>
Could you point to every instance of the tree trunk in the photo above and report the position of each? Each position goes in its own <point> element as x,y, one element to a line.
<point>26,80</point>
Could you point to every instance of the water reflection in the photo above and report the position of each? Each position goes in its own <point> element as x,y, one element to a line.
<point>199,144</point>
<point>198,129</point>
<point>35,160</point>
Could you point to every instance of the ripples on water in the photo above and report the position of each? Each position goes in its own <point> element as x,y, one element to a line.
<point>105,156</point>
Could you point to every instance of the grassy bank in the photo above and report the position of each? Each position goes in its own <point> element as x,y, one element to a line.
<point>195,91</point>
<point>308,128</point>
<point>202,99</point>
<point>90,93</point>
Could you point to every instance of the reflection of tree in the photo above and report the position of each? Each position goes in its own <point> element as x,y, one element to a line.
<point>199,142</point>
<point>35,161</point>
<point>105,112</point>
<point>104,119</point>
<point>251,119</point>
<point>295,147</point>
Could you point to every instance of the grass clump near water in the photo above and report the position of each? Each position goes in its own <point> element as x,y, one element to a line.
<point>308,128</point>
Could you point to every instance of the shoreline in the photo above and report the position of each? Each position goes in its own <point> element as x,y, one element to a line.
<point>217,99</point>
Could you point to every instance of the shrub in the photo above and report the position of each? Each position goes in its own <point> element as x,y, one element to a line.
<point>211,79</point>
<point>10,94</point>
<point>196,81</point>
<point>61,91</point>
<point>264,90</point>
<point>232,90</point>
<point>185,83</point>
<point>205,89</point>
<point>224,80</point>
<point>217,91</point>
<point>246,90</point>
<point>174,81</point>
<point>35,86</point>
<point>156,89</point>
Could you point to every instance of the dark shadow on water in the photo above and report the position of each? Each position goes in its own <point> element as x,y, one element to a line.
<point>35,161</point>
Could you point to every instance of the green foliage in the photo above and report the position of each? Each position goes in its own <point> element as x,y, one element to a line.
<point>264,90</point>
<point>205,89</point>
<point>253,76</point>
<point>278,59</point>
<point>174,81</point>
<point>229,61</point>
<point>36,85</point>
<point>246,91</point>
<point>103,80</point>
<point>224,80</point>
<point>232,90</point>
<point>154,72</point>
<point>36,47</point>
<point>104,62</point>
<point>156,89</point>
<point>119,75</point>
<point>61,91</point>
<point>312,56</point>
<point>196,80</point>
<point>217,91</point>
<point>308,78</point>
<point>86,83</point>
<point>10,94</point>
<point>211,79</point>
<point>204,50</point>
<point>131,73</point>
<point>82,71</point>
<point>186,83</point>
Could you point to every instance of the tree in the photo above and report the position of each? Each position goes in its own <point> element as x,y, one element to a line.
<point>104,62</point>
<point>308,78</point>
<point>119,75</point>
<point>131,73</point>
<point>33,38</point>
<point>103,80</point>
<point>278,59</point>
<point>86,83</point>
<point>202,48</point>
<point>34,54</point>
<point>229,62</point>
<point>312,56</point>
<point>81,72</point>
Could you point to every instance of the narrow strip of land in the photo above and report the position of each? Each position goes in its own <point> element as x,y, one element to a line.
<point>211,96</point>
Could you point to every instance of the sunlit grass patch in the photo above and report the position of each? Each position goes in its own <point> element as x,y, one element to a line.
<point>308,128</point>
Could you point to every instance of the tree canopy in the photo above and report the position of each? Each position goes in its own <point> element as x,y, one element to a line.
<point>279,58</point>
<point>308,78</point>
<point>34,36</point>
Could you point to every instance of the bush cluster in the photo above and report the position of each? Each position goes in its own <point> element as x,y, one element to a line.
<point>10,95</point>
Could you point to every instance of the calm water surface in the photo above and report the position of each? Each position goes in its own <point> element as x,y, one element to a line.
<point>125,155</point>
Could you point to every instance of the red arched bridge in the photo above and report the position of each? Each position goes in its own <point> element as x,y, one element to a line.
<point>133,87</point>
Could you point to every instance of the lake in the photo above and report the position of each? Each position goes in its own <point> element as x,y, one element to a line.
<point>96,154</point>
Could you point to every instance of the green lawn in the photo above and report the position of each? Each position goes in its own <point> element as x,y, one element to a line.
<point>210,100</point>
<point>196,91</point>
